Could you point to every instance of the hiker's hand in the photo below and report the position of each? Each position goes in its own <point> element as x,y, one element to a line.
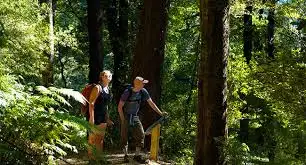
<point>164,113</point>
<point>109,122</point>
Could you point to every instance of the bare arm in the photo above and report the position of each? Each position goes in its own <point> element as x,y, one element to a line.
<point>154,107</point>
<point>120,110</point>
<point>93,96</point>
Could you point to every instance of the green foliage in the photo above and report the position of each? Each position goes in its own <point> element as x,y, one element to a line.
<point>236,152</point>
<point>179,97</point>
<point>179,133</point>
<point>71,40</point>
<point>270,93</point>
<point>24,38</point>
<point>38,124</point>
<point>35,125</point>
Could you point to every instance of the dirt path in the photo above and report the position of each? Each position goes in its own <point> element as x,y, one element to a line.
<point>112,159</point>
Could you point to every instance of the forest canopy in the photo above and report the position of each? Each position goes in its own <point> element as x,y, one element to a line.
<point>235,69</point>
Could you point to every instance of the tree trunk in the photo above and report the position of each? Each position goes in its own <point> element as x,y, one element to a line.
<point>271,28</point>
<point>62,65</point>
<point>247,34</point>
<point>149,50</point>
<point>95,15</point>
<point>212,104</point>
<point>303,39</point>
<point>118,30</point>
<point>48,73</point>
<point>123,71</point>
<point>244,130</point>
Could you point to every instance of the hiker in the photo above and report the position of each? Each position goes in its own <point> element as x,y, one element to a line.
<point>97,114</point>
<point>128,108</point>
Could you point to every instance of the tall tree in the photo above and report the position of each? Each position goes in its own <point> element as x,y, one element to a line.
<point>212,103</point>
<point>149,49</point>
<point>123,62</point>
<point>62,65</point>
<point>271,29</point>
<point>117,24</point>
<point>48,73</point>
<point>94,16</point>
<point>302,28</point>
<point>247,52</point>
<point>247,33</point>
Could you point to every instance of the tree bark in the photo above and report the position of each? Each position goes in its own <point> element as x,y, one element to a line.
<point>95,15</point>
<point>247,34</point>
<point>48,72</point>
<point>123,70</point>
<point>62,65</point>
<point>118,29</point>
<point>271,29</point>
<point>212,104</point>
<point>302,28</point>
<point>149,50</point>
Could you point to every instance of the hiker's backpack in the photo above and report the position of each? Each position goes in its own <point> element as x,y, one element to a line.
<point>129,87</point>
<point>86,93</point>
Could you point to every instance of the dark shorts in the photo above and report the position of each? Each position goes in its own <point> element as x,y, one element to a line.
<point>99,118</point>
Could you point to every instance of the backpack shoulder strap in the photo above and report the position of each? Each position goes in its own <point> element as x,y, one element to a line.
<point>99,88</point>
<point>130,93</point>
<point>141,95</point>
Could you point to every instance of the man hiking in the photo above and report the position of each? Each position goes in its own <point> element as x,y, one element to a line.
<point>128,108</point>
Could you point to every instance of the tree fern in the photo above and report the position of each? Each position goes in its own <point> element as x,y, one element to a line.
<point>35,126</point>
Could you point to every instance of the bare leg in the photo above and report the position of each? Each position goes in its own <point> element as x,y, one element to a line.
<point>91,144</point>
<point>99,141</point>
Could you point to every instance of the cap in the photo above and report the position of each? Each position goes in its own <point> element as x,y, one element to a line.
<point>141,79</point>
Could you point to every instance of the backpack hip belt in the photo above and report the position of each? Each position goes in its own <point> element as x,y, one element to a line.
<point>131,118</point>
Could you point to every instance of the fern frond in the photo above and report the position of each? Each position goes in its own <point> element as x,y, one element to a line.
<point>53,148</point>
<point>3,102</point>
<point>70,93</point>
<point>67,145</point>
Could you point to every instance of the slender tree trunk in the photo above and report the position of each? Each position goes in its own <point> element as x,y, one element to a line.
<point>247,50</point>
<point>247,34</point>
<point>62,65</point>
<point>113,29</point>
<point>193,81</point>
<point>244,130</point>
<point>135,6</point>
<point>271,29</point>
<point>95,15</point>
<point>118,29</point>
<point>149,50</point>
<point>124,33</point>
<point>303,41</point>
<point>48,73</point>
<point>212,104</point>
<point>257,35</point>
<point>51,18</point>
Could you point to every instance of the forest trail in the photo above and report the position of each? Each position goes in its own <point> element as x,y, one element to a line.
<point>114,158</point>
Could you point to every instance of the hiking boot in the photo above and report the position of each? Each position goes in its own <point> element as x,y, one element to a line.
<point>92,162</point>
<point>126,159</point>
<point>99,162</point>
<point>140,159</point>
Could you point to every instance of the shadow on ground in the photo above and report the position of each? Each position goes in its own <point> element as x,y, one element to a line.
<point>111,159</point>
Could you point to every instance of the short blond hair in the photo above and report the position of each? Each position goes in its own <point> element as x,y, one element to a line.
<point>105,72</point>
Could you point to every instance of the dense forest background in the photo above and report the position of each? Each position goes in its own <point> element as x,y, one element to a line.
<point>49,50</point>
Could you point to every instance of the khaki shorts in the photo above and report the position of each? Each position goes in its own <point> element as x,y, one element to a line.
<point>137,131</point>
